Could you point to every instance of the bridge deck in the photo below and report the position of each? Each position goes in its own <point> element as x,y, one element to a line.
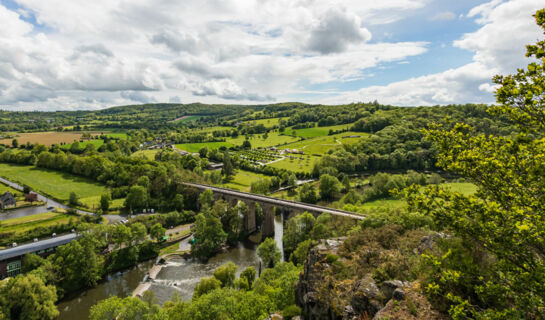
<point>276,201</point>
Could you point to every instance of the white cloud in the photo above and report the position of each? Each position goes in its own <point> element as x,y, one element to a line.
<point>446,15</point>
<point>91,54</point>
<point>498,46</point>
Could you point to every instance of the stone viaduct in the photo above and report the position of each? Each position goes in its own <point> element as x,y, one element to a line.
<point>268,204</point>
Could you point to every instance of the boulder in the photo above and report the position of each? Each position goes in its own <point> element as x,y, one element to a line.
<point>399,294</point>
<point>367,298</point>
<point>388,288</point>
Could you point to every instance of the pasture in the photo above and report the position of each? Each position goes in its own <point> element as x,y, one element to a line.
<point>316,131</point>
<point>22,224</point>
<point>46,138</point>
<point>145,154</point>
<point>257,141</point>
<point>266,122</point>
<point>195,147</point>
<point>56,184</point>
<point>243,179</point>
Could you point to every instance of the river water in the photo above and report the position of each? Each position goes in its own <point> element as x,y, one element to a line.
<point>178,276</point>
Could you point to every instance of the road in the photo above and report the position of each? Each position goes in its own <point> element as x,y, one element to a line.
<point>276,202</point>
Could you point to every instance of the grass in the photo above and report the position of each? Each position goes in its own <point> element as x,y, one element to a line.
<point>19,225</point>
<point>296,164</point>
<point>195,147</point>
<point>47,138</point>
<point>147,154</point>
<point>243,179</point>
<point>257,141</point>
<point>4,188</point>
<point>82,145</point>
<point>187,119</point>
<point>117,135</point>
<point>316,131</point>
<point>54,183</point>
<point>266,122</point>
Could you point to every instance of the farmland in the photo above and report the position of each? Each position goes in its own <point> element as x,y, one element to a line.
<point>195,147</point>
<point>257,141</point>
<point>55,184</point>
<point>146,154</point>
<point>243,179</point>
<point>316,131</point>
<point>19,225</point>
<point>46,138</point>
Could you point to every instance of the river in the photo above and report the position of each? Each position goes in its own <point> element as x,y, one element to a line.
<point>178,275</point>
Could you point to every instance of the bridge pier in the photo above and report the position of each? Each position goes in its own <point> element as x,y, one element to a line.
<point>267,230</point>
<point>249,219</point>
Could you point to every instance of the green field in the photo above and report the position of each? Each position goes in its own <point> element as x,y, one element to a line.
<point>36,220</point>
<point>257,141</point>
<point>117,135</point>
<point>296,164</point>
<point>53,183</point>
<point>266,122</point>
<point>4,188</point>
<point>82,145</point>
<point>188,119</point>
<point>316,131</point>
<point>243,179</point>
<point>147,154</point>
<point>195,147</point>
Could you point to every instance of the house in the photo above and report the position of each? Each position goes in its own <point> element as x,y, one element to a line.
<point>7,200</point>
<point>214,166</point>
<point>31,197</point>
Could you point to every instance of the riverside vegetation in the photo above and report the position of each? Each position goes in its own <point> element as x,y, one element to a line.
<point>461,238</point>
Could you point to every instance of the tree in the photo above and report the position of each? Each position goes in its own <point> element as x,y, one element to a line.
<point>297,230</point>
<point>138,232</point>
<point>137,198</point>
<point>505,221</point>
<point>206,199</point>
<point>307,193</point>
<point>121,234</point>
<point>157,231</point>
<point>246,144</point>
<point>178,202</point>
<point>249,274</point>
<point>74,199</point>
<point>74,148</point>
<point>15,143</point>
<point>203,152</point>
<point>226,274</point>
<point>299,256</point>
<point>205,286</point>
<point>27,297</point>
<point>329,186</point>
<point>105,202</point>
<point>269,253</point>
<point>228,170</point>
<point>77,265</point>
<point>209,235</point>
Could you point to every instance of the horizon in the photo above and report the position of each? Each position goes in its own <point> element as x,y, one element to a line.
<point>81,56</point>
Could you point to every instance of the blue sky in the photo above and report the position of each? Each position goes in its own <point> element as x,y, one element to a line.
<point>61,55</point>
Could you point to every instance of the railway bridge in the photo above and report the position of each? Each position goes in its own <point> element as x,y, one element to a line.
<point>268,204</point>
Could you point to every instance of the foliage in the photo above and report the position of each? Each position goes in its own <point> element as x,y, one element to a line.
<point>209,235</point>
<point>157,231</point>
<point>27,297</point>
<point>269,253</point>
<point>205,286</point>
<point>307,193</point>
<point>329,186</point>
<point>226,274</point>
<point>249,274</point>
<point>505,220</point>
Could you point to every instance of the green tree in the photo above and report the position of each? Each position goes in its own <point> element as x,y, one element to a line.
<point>205,286</point>
<point>137,198</point>
<point>246,144</point>
<point>299,256</point>
<point>77,265</point>
<point>269,253</point>
<point>73,200</point>
<point>505,220</point>
<point>249,274</point>
<point>203,152</point>
<point>297,230</point>
<point>27,297</point>
<point>329,186</point>
<point>178,202</point>
<point>157,231</point>
<point>228,169</point>
<point>209,235</point>
<point>226,274</point>
<point>121,234</point>
<point>307,193</point>
<point>206,199</point>
<point>15,143</point>
<point>105,199</point>
<point>138,232</point>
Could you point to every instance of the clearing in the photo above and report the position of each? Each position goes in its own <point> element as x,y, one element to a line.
<point>47,138</point>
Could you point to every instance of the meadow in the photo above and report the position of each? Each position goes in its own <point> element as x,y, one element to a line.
<point>46,138</point>
<point>195,147</point>
<point>316,131</point>
<point>146,154</point>
<point>267,122</point>
<point>22,224</point>
<point>257,141</point>
<point>55,184</point>
<point>243,179</point>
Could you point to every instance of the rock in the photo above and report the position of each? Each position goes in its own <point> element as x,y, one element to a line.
<point>367,299</point>
<point>297,318</point>
<point>399,294</point>
<point>349,313</point>
<point>275,316</point>
<point>427,242</point>
<point>388,288</point>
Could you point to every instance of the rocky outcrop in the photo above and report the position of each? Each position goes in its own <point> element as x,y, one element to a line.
<point>322,297</point>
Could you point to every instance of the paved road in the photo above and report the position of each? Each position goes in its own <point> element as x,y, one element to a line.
<point>277,202</point>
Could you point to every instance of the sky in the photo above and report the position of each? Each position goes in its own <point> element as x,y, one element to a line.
<point>74,54</point>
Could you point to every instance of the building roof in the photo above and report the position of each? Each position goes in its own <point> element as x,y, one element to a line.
<point>36,246</point>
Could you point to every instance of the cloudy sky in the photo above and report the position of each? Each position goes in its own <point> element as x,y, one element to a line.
<point>81,54</point>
